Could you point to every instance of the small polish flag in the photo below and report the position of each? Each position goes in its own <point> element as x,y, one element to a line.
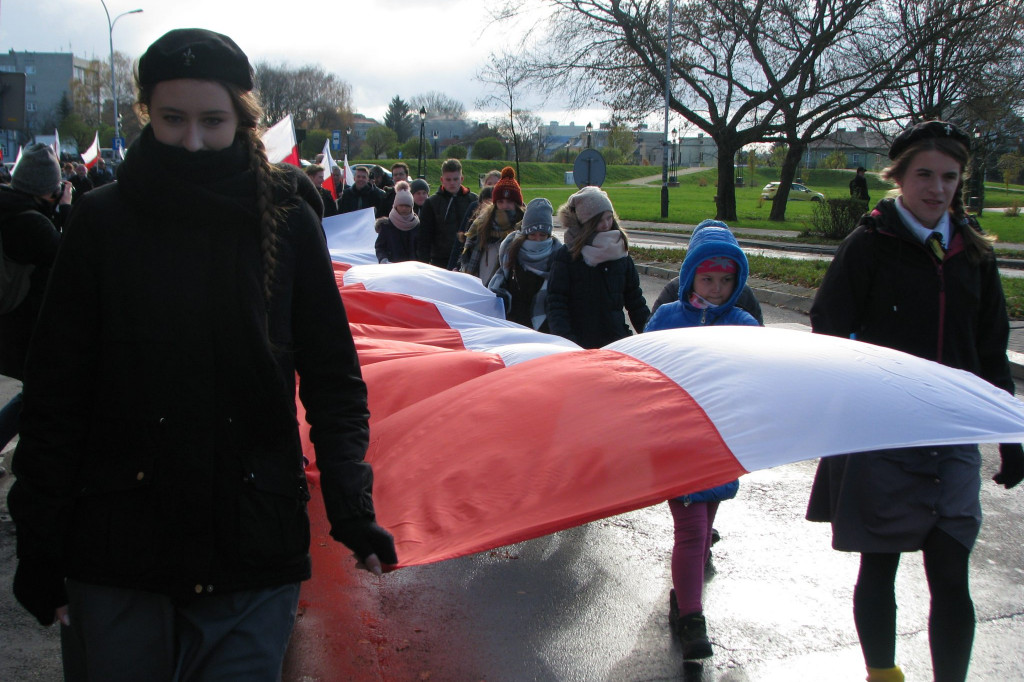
<point>280,142</point>
<point>329,165</point>
<point>92,154</point>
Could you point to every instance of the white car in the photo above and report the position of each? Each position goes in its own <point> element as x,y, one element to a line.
<point>797,192</point>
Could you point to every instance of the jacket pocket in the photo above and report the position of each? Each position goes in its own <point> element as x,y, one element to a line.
<point>273,526</point>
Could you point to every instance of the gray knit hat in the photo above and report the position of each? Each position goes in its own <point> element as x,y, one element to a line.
<point>37,171</point>
<point>537,217</point>
<point>419,184</point>
<point>589,202</point>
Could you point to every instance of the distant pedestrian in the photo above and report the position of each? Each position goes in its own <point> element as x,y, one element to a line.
<point>80,182</point>
<point>398,234</point>
<point>917,275</point>
<point>859,185</point>
<point>399,173</point>
<point>160,493</point>
<point>442,214</point>
<point>593,277</point>
<point>420,189</point>
<point>315,172</point>
<point>492,224</point>
<point>711,280</point>
<point>526,257</point>
<point>361,194</point>
<point>32,210</point>
<point>100,174</point>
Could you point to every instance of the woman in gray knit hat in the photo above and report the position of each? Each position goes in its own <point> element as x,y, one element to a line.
<point>593,277</point>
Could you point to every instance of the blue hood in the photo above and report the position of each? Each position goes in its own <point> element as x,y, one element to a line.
<point>709,242</point>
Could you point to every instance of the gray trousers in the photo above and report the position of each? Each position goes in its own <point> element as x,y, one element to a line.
<point>118,634</point>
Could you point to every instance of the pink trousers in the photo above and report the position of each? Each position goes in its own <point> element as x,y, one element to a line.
<point>691,550</point>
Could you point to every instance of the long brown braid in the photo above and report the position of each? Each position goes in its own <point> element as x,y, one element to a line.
<point>977,244</point>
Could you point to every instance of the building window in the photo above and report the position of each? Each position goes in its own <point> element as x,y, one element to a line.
<point>30,69</point>
<point>30,89</point>
<point>30,106</point>
<point>7,68</point>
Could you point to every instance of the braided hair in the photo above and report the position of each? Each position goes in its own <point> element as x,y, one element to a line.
<point>978,245</point>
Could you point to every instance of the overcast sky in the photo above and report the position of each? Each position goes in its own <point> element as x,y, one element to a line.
<point>382,48</point>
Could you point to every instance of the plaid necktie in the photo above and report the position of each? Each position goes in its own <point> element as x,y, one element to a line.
<point>934,242</point>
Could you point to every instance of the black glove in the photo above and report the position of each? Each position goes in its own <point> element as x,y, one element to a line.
<point>39,586</point>
<point>364,537</point>
<point>1012,471</point>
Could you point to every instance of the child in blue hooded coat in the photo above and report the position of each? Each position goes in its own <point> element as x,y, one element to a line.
<point>711,279</point>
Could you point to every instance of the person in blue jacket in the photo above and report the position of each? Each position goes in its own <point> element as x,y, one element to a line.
<point>711,280</point>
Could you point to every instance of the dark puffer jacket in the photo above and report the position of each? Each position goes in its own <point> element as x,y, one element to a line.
<point>585,304</point>
<point>160,448</point>
<point>30,238</point>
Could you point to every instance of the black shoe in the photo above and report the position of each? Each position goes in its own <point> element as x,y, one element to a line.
<point>693,635</point>
<point>691,630</point>
<point>715,536</point>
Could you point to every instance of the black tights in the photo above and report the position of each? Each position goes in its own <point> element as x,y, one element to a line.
<point>950,622</point>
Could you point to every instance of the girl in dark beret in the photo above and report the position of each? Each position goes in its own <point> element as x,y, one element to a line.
<point>161,495</point>
<point>917,275</point>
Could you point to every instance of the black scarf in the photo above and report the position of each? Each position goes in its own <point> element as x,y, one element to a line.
<point>215,191</point>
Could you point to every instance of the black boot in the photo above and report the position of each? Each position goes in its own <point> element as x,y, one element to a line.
<point>691,630</point>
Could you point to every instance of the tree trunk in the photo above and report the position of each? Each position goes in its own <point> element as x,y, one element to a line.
<point>725,199</point>
<point>788,172</point>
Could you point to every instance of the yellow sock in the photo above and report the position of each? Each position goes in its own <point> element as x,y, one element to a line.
<point>893,674</point>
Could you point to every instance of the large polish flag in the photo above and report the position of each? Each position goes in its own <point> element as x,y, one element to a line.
<point>280,142</point>
<point>486,433</point>
<point>92,154</point>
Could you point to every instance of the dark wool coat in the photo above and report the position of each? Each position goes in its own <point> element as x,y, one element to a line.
<point>352,199</point>
<point>159,447</point>
<point>889,289</point>
<point>585,303</point>
<point>439,221</point>
<point>394,244</point>
<point>30,238</point>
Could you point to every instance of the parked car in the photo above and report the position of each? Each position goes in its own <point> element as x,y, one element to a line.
<point>797,192</point>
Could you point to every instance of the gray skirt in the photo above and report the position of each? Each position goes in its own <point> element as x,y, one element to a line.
<point>890,500</point>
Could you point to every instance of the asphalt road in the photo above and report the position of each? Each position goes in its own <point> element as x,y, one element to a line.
<point>591,603</point>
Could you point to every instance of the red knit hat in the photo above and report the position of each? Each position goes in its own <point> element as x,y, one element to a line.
<point>718,264</point>
<point>507,187</point>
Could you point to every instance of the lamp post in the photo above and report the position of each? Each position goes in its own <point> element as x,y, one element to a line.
<point>113,81</point>
<point>435,144</point>
<point>422,161</point>
<point>348,147</point>
<point>668,92</point>
<point>590,127</point>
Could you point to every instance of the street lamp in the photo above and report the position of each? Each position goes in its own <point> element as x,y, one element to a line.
<point>675,147</point>
<point>113,83</point>
<point>422,161</point>
<point>348,148</point>
<point>590,127</point>
<point>435,144</point>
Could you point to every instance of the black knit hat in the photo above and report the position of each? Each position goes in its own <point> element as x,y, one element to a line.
<point>37,171</point>
<point>924,131</point>
<point>195,53</point>
<point>419,184</point>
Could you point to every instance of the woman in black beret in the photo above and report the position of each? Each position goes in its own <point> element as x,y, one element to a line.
<point>917,275</point>
<point>160,499</point>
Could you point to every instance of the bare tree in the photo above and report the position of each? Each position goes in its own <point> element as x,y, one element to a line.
<point>743,71</point>
<point>314,98</point>
<point>438,105</point>
<point>507,80</point>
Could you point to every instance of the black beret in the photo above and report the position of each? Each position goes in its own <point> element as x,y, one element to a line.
<point>195,53</point>
<point>924,131</point>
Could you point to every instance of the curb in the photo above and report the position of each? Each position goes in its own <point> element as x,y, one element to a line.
<point>799,299</point>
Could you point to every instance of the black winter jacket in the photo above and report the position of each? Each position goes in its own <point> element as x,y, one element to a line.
<point>352,199</point>
<point>440,218</point>
<point>889,289</point>
<point>30,238</point>
<point>585,303</point>
<point>159,446</point>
